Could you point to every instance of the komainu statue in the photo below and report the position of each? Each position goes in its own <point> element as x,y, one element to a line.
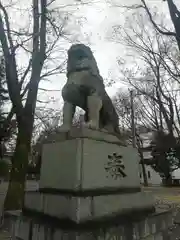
<point>84,88</point>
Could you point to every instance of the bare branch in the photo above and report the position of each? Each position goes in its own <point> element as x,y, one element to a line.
<point>26,72</point>
<point>11,71</point>
<point>168,33</point>
<point>7,26</point>
<point>48,90</point>
<point>54,71</point>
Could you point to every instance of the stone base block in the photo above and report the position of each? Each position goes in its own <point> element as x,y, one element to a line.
<point>80,209</point>
<point>154,227</point>
<point>87,159</point>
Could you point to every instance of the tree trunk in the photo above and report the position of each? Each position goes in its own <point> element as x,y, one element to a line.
<point>168,180</point>
<point>175,17</point>
<point>142,164</point>
<point>15,195</point>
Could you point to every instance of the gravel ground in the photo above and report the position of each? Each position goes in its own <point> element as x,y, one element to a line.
<point>4,235</point>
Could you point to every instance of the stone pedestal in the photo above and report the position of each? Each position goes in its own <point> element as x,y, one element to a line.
<point>153,227</point>
<point>87,175</point>
<point>87,178</point>
<point>89,164</point>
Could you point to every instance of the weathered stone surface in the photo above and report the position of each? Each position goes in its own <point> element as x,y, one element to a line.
<point>86,175</point>
<point>83,132</point>
<point>85,89</point>
<point>21,228</point>
<point>177,218</point>
<point>126,231</point>
<point>80,209</point>
<point>84,164</point>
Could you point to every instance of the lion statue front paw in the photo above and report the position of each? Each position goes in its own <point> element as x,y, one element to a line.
<point>92,125</point>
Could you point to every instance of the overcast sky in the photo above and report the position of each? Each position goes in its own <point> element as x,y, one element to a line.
<point>98,19</point>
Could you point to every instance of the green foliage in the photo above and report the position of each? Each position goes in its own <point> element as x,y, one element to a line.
<point>166,154</point>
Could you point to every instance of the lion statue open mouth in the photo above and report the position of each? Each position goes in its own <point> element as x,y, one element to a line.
<point>85,88</point>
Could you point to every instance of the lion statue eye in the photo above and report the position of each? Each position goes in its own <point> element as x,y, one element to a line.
<point>80,57</point>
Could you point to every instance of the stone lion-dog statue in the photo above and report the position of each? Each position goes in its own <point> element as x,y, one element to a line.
<point>85,88</point>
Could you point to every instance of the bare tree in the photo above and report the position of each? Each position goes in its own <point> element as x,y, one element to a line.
<point>153,80</point>
<point>174,14</point>
<point>47,123</point>
<point>39,42</point>
<point>124,106</point>
<point>153,73</point>
<point>175,18</point>
<point>145,116</point>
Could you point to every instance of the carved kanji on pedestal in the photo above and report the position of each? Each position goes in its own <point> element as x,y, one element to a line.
<point>115,166</point>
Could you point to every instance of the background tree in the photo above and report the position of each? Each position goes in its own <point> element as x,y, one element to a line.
<point>49,124</point>
<point>7,127</point>
<point>174,13</point>
<point>153,74</point>
<point>153,80</point>
<point>165,155</point>
<point>124,105</point>
<point>4,169</point>
<point>38,40</point>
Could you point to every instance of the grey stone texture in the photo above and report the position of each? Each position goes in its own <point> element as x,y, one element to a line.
<point>87,178</point>
<point>94,164</point>
<point>81,209</point>
<point>79,161</point>
<point>153,227</point>
<point>85,89</point>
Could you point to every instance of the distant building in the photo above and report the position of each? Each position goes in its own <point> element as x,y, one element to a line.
<point>176,177</point>
<point>153,177</point>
